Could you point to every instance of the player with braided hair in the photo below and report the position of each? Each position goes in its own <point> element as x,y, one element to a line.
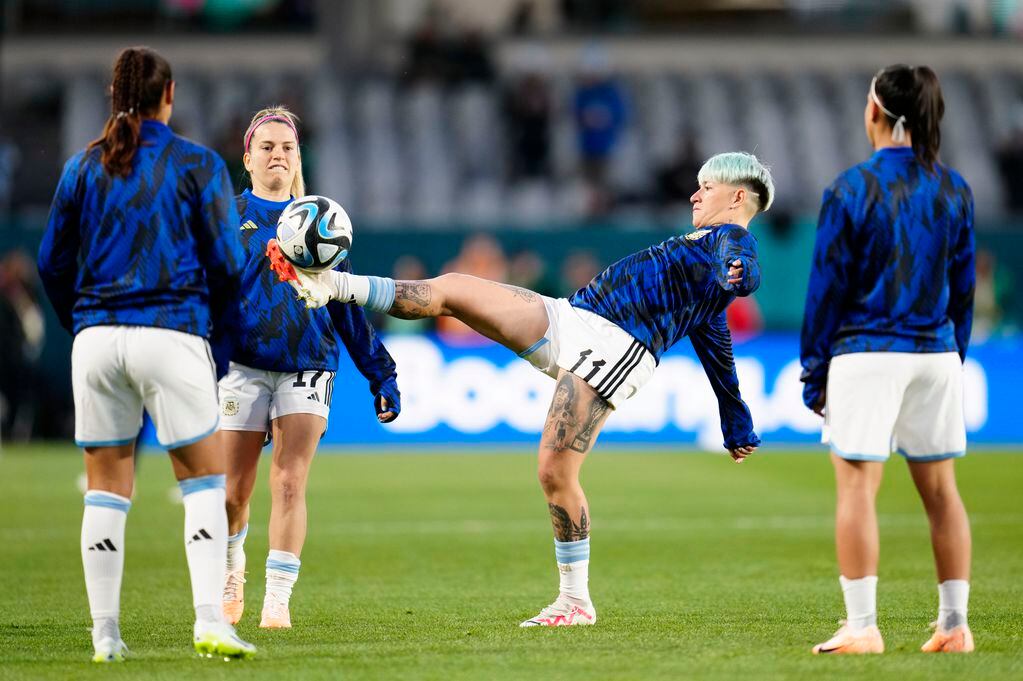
<point>141,260</point>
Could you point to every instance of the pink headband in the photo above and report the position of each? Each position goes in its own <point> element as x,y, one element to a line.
<point>265,119</point>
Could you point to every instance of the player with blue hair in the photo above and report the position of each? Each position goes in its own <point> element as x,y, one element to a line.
<point>885,333</point>
<point>141,261</point>
<point>602,343</point>
<point>281,378</point>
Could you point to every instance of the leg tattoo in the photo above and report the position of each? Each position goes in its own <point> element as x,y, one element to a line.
<point>566,529</point>
<point>564,430</point>
<point>523,293</point>
<point>412,300</point>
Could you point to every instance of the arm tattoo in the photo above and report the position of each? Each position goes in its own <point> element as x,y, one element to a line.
<point>565,529</point>
<point>412,300</point>
<point>523,293</point>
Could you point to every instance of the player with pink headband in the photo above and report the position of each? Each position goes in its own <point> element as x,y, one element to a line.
<point>281,378</point>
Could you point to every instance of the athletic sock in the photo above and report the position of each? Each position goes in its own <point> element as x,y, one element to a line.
<point>860,601</point>
<point>281,574</point>
<point>236,550</point>
<point>103,559</point>
<point>205,543</point>
<point>373,293</point>
<point>953,596</point>
<point>574,568</point>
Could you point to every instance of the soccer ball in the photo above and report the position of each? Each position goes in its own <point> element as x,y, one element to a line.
<point>314,233</point>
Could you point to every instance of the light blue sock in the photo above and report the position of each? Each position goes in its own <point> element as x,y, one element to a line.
<point>281,574</point>
<point>574,568</point>
<point>381,294</point>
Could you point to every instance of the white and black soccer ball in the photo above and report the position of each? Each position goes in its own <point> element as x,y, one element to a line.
<point>314,233</point>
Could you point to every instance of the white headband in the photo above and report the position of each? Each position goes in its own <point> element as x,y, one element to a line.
<point>899,129</point>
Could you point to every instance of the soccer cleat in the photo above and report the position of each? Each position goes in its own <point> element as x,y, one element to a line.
<point>275,614</point>
<point>563,613</point>
<point>110,650</point>
<point>218,639</point>
<point>955,640</point>
<point>234,596</point>
<point>315,289</point>
<point>849,641</point>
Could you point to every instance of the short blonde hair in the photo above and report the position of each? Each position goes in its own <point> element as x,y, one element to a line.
<point>270,113</point>
<point>741,170</point>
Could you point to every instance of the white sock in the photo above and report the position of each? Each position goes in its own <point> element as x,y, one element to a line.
<point>574,568</point>
<point>281,574</point>
<point>373,293</point>
<point>205,542</point>
<point>103,559</point>
<point>236,550</point>
<point>953,596</point>
<point>860,601</point>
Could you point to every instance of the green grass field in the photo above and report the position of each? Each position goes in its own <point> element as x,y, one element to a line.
<point>421,567</point>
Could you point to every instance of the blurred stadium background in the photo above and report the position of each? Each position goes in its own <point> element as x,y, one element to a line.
<point>531,141</point>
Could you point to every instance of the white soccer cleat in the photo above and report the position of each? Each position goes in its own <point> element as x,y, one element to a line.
<point>275,614</point>
<point>849,641</point>
<point>564,612</point>
<point>234,596</point>
<point>315,289</point>
<point>110,650</point>
<point>218,639</point>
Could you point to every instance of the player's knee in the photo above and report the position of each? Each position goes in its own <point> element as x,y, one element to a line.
<point>553,478</point>
<point>288,487</point>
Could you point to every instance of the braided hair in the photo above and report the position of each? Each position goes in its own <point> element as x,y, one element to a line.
<point>139,81</point>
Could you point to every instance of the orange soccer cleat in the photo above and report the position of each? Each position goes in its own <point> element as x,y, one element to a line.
<point>955,640</point>
<point>849,641</point>
<point>279,265</point>
<point>234,596</point>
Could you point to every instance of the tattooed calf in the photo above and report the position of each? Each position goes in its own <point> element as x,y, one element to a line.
<point>566,529</point>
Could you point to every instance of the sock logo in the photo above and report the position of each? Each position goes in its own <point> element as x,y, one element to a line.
<point>105,545</point>
<point>199,536</point>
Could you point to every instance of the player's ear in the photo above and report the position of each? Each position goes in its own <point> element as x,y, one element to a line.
<point>168,93</point>
<point>739,198</point>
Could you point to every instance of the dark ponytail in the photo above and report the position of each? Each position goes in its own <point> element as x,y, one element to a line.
<point>140,78</point>
<point>914,92</point>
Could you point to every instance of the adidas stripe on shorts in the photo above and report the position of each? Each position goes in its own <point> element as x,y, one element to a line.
<point>116,371</point>
<point>611,361</point>
<point>251,398</point>
<point>908,402</point>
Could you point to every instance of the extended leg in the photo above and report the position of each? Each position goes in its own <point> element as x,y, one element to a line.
<point>243,449</point>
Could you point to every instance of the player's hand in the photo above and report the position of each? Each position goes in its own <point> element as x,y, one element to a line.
<point>739,454</point>
<point>735,272</point>
<point>820,406</point>
<point>385,416</point>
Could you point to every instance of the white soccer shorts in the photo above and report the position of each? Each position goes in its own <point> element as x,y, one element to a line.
<point>118,370</point>
<point>611,361</point>
<point>909,402</point>
<point>251,398</point>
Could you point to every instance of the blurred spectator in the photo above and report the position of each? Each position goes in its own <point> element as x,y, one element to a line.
<point>676,180</point>
<point>992,297</point>
<point>600,117</point>
<point>406,268</point>
<point>527,108</point>
<point>442,52</point>
<point>9,156</point>
<point>577,270</point>
<point>1010,164</point>
<point>528,270</point>
<point>744,319</point>
<point>22,332</point>
<point>481,256</point>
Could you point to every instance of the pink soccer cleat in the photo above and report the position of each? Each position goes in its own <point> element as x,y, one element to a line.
<point>563,612</point>
<point>849,641</point>
<point>275,614</point>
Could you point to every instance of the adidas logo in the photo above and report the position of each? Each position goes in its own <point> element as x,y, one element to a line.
<point>314,397</point>
<point>105,545</point>
<point>249,224</point>
<point>200,535</point>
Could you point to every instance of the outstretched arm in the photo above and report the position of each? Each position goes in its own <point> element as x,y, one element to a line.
<point>713,345</point>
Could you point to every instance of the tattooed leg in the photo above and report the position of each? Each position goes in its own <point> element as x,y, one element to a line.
<point>575,418</point>
<point>512,316</point>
